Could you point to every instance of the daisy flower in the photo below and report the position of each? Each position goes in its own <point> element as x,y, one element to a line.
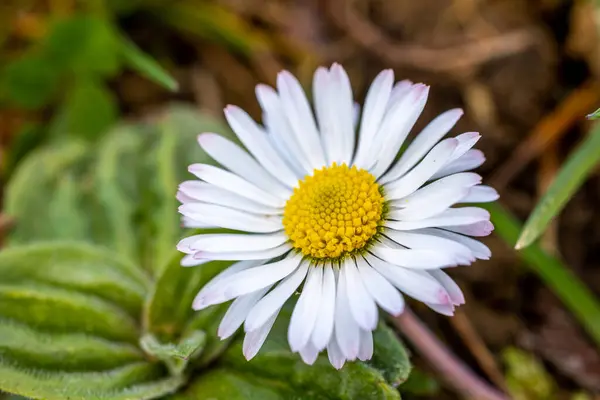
<point>320,203</point>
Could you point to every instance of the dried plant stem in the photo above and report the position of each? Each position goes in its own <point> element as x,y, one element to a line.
<point>452,370</point>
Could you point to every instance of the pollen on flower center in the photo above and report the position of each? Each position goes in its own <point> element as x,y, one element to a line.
<point>333,212</point>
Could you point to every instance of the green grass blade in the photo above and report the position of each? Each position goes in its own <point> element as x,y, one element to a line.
<point>146,65</point>
<point>573,293</point>
<point>571,176</point>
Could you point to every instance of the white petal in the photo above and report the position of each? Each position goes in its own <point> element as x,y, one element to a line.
<point>187,222</point>
<point>198,191</point>
<point>246,281</point>
<point>238,161</point>
<point>423,171</point>
<point>335,355</point>
<point>325,111</point>
<point>459,253</point>
<point>366,345</point>
<point>279,127</point>
<point>344,105</point>
<point>237,312</point>
<point>235,184</point>
<point>275,299</point>
<point>374,110</point>
<point>361,303</point>
<point>400,90</point>
<point>408,258</point>
<point>184,198</point>
<point>450,217</point>
<point>456,295</point>
<point>189,261</point>
<point>224,217</point>
<point>300,118</point>
<point>347,331</point>
<point>444,309</point>
<point>256,141</point>
<point>218,242</point>
<point>470,160</point>
<point>396,126</point>
<point>415,284</point>
<point>481,194</point>
<point>435,197</point>
<point>481,228</point>
<point>304,315</point>
<point>244,255</point>
<point>478,249</point>
<point>325,318</point>
<point>309,354</point>
<point>424,141</point>
<point>254,340</point>
<point>185,243</point>
<point>465,142</point>
<point>226,273</point>
<point>382,291</point>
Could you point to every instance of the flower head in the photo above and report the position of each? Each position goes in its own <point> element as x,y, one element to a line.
<point>324,206</point>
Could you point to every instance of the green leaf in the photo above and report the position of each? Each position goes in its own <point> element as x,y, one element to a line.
<point>420,384</point>
<point>175,356</point>
<point>59,310</point>
<point>33,185</point>
<point>66,352</point>
<point>170,305</point>
<point>182,350</point>
<point>83,44</point>
<point>221,384</point>
<point>564,283</point>
<point>570,177</point>
<point>27,84</point>
<point>119,189</point>
<point>79,267</point>
<point>390,356</point>
<point>69,326</point>
<point>146,66</point>
<point>594,115</point>
<point>131,382</point>
<point>89,109</point>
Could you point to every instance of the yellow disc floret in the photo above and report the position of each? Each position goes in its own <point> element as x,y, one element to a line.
<point>333,212</point>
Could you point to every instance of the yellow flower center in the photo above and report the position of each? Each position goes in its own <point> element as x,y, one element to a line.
<point>333,212</point>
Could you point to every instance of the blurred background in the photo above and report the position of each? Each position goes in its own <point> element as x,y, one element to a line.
<point>526,73</point>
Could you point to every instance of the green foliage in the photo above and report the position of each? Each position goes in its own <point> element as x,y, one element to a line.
<point>526,377</point>
<point>105,312</point>
<point>594,115</point>
<point>70,66</point>
<point>421,384</point>
<point>83,44</point>
<point>119,193</point>
<point>565,284</point>
<point>570,177</point>
<point>89,109</point>
<point>27,85</point>
<point>66,325</point>
<point>145,65</point>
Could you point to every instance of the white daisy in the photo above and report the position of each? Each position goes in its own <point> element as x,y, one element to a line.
<point>325,208</point>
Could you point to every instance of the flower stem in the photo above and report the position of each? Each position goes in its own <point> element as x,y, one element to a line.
<point>452,370</point>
